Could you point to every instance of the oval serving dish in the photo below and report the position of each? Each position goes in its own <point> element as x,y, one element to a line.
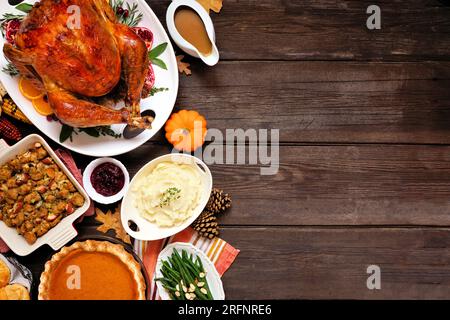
<point>147,230</point>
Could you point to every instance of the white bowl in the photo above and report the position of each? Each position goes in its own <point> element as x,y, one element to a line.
<point>147,230</point>
<point>90,189</point>
<point>184,45</point>
<point>64,231</point>
<point>212,276</point>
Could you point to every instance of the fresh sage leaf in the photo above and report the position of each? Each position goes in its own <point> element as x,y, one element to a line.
<point>158,62</point>
<point>91,131</point>
<point>157,51</point>
<point>24,7</point>
<point>66,133</point>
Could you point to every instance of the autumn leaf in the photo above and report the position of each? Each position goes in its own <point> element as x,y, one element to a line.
<point>120,231</point>
<point>112,221</point>
<point>107,219</point>
<point>123,235</point>
<point>214,5</point>
<point>183,66</point>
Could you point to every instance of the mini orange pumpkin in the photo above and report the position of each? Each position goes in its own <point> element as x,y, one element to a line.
<point>186,130</point>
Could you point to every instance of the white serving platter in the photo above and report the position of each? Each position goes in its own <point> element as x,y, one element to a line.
<point>147,230</point>
<point>64,231</point>
<point>212,276</point>
<point>161,103</point>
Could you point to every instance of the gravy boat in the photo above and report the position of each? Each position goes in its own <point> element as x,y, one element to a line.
<point>184,45</point>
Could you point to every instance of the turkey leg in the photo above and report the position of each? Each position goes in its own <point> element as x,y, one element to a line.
<point>81,113</point>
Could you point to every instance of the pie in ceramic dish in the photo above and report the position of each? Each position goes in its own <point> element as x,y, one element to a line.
<point>92,270</point>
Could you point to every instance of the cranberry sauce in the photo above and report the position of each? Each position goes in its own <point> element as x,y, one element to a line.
<point>107,179</point>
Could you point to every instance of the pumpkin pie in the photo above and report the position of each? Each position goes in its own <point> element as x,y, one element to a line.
<point>92,270</point>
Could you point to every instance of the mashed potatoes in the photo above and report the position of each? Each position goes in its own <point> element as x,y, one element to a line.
<point>168,194</point>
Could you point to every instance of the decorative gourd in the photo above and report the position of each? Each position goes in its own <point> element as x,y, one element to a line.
<point>186,130</point>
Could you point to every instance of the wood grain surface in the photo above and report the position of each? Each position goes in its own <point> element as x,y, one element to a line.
<point>329,30</point>
<point>364,152</point>
<point>331,263</point>
<point>327,102</point>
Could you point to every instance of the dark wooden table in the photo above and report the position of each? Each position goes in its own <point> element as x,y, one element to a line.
<point>364,120</point>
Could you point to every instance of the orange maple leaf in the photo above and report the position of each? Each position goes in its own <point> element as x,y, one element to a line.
<point>112,221</point>
<point>214,5</point>
<point>107,219</point>
<point>183,66</point>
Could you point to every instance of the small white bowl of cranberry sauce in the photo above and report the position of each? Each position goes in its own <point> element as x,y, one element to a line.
<point>106,180</point>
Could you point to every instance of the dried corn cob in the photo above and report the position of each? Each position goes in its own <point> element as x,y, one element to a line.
<point>9,131</point>
<point>12,110</point>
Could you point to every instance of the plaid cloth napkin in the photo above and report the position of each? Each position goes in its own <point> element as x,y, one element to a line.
<point>69,162</point>
<point>221,253</point>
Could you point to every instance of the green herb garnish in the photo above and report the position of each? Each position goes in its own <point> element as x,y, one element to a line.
<point>68,131</point>
<point>100,131</point>
<point>129,15</point>
<point>168,196</point>
<point>155,53</point>
<point>11,16</point>
<point>6,18</point>
<point>11,70</point>
<point>24,7</point>
<point>155,90</point>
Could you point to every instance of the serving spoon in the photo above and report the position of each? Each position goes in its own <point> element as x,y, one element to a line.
<point>130,132</point>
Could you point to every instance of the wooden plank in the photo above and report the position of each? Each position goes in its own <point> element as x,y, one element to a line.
<point>325,101</point>
<point>328,30</point>
<point>317,263</point>
<point>334,185</point>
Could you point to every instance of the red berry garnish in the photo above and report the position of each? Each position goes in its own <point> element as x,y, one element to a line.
<point>126,13</point>
<point>11,29</point>
<point>145,34</point>
<point>149,82</point>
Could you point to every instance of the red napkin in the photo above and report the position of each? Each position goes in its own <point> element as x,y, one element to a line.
<point>67,159</point>
<point>3,247</point>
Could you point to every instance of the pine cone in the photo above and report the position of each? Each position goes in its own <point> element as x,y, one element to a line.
<point>204,215</point>
<point>218,202</point>
<point>206,225</point>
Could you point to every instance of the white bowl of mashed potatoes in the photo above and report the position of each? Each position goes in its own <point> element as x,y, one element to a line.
<point>165,196</point>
